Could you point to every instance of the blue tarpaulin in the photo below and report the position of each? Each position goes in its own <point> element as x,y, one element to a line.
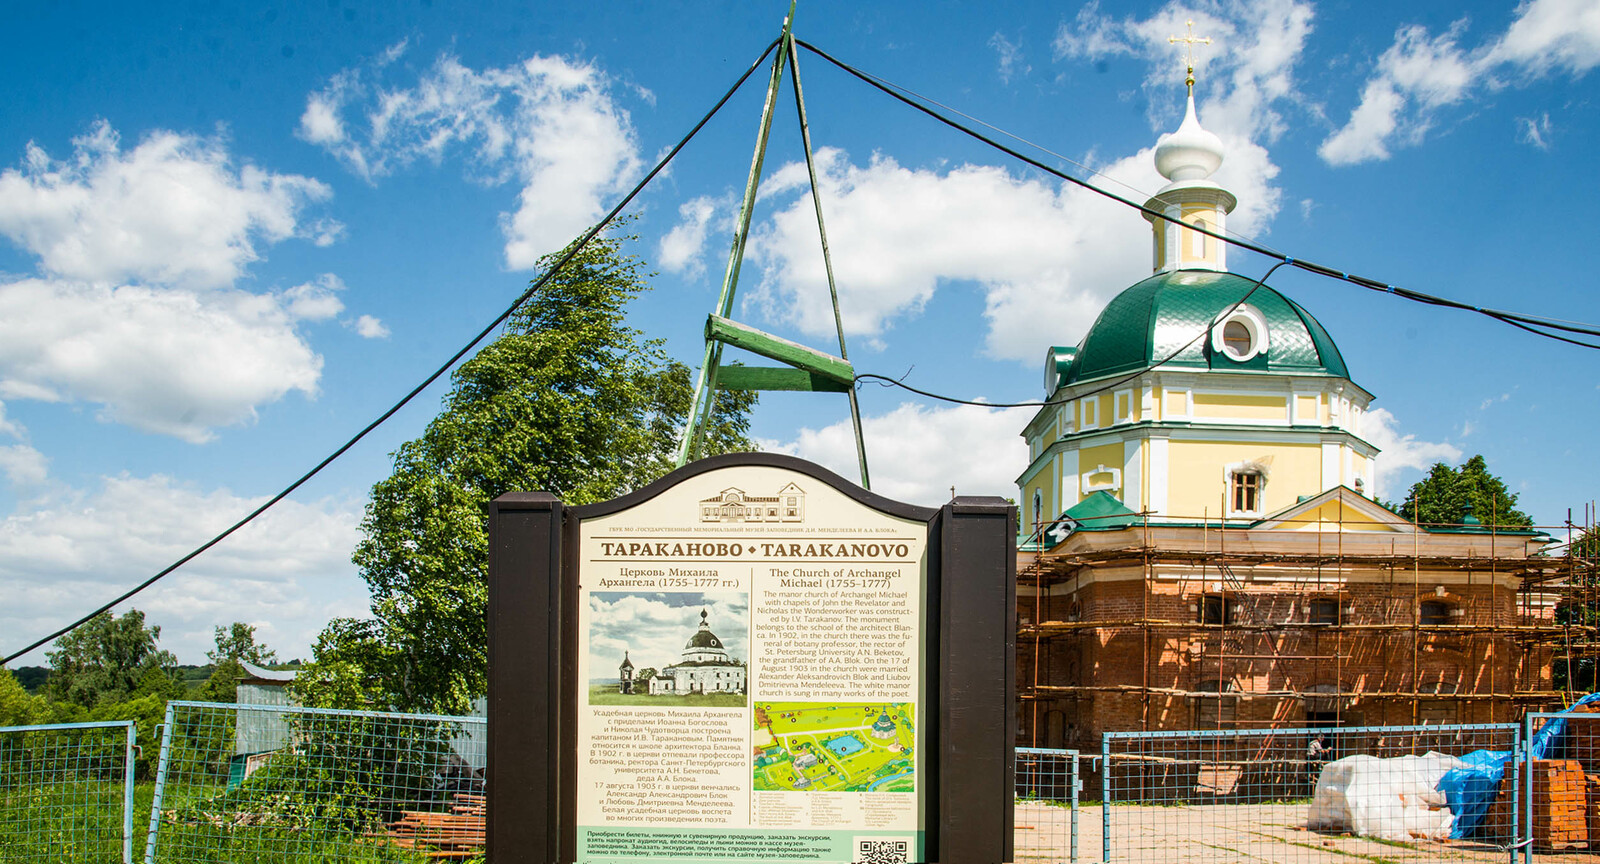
<point>1470,790</point>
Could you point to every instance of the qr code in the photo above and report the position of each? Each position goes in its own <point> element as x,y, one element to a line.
<point>882,851</point>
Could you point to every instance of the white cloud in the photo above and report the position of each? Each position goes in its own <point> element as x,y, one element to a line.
<point>1419,74</point>
<point>916,453</point>
<point>368,327</point>
<point>1046,256</point>
<point>316,300</point>
<point>9,427</point>
<point>288,572</point>
<point>23,465</point>
<point>681,248</point>
<point>135,306</point>
<point>1239,88</point>
<point>1551,34</point>
<point>170,361</point>
<point>1534,131</point>
<point>1011,62</point>
<point>548,123</point>
<point>1091,35</point>
<point>1415,76</point>
<point>652,628</point>
<point>174,210</point>
<point>1400,452</point>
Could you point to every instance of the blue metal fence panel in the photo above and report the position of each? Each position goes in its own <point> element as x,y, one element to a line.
<point>66,792</point>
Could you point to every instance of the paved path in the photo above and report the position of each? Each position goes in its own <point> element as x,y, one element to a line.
<point>1202,834</point>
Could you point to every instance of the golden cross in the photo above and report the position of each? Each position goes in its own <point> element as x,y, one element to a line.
<point>1190,40</point>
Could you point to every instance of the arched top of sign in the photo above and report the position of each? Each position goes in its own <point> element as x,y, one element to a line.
<point>737,498</point>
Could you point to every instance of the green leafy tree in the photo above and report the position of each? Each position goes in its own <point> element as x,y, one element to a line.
<point>235,644</point>
<point>237,641</point>
<point>17,706</point>
<point>347,666</point>
<point>569,400</point>
<point>1444,496</point>
<point>108,660</point>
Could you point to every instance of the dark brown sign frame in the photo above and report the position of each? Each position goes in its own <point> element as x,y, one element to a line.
<point>970,666</point>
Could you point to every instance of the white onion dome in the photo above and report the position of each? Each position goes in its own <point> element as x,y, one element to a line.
<point>1191,153</point>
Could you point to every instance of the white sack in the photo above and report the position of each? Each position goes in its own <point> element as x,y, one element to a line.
<point>1390,799</point>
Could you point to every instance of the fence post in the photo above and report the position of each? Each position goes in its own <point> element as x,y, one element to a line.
<point>1105,797</point>
<point>1527,800</point>
<point>127,792</point>
<point>1073,755</point>
<point>1516,792</point>
<point>161,786</point>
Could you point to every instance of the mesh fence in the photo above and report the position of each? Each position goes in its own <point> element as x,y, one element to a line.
<point>1047,817</point>
<point>66,793</point>
<point>1388,793</point>
<point>1560,803</point>
<point>286,784</point>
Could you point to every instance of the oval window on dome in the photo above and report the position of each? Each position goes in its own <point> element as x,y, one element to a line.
<point>1241,335</point>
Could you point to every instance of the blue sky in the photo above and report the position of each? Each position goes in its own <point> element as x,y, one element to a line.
<point>231,235</point>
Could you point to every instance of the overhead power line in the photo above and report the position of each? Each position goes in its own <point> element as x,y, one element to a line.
<point>565,259</point>
<point>1533,324</point>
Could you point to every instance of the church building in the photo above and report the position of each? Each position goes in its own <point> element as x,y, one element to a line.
<point>705,667</point>
<point>1200,548</point>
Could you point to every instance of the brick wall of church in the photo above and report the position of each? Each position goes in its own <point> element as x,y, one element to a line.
<point>1265,661</point>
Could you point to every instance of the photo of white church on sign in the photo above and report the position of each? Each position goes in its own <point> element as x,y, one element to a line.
<point>705,667</point>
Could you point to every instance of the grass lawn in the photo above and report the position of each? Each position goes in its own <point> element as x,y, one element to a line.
<point>81,823</point>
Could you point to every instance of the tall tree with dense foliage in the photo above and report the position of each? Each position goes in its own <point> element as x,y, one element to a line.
<point>1442,497</point>
<point>108,660</point>
<point>235,644</point>
<point>568,400</point>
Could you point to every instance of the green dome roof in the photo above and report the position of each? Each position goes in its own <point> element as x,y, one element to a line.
<point>1154,318</point>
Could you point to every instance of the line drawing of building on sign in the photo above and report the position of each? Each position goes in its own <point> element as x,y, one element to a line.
<point>733,505</point>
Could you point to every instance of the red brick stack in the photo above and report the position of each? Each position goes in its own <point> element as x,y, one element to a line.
<point>1582,738</point>
<point>1593,813</point>
<point>1560,806</point>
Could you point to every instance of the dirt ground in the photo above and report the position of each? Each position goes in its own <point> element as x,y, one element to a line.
<point>1230,832</point>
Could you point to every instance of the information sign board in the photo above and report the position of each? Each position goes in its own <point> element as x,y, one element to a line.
<point>751,659</point>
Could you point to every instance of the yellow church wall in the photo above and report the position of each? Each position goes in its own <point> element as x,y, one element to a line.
<point>1306,406</point>
<point>1335,513</point>
<point>1109,455</point>
<point>1174,404</point>
<point>1240,406</point>
<point>1324,412</point>
<point>1105,402</point>
<point>1197,484</point>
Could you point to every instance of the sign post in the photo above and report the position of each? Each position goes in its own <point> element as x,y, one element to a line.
<point>750,660</point>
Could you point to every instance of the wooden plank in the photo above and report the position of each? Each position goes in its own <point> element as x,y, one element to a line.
<point>738,377</point>
<point>738,335</point>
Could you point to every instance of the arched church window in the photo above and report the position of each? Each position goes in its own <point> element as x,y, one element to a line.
<point>1197,244</point>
